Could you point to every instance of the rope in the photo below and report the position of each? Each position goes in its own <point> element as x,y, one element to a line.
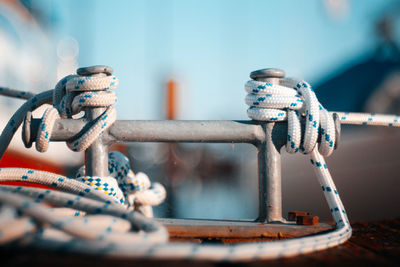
<point>72,94</point>
<point>273,102</point>
<point>16,120</point>
<point>16,93</point>
<point>111,226</point>
<point>133,190</point>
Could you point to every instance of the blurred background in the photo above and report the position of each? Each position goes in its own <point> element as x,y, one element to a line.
<point>179,59</point>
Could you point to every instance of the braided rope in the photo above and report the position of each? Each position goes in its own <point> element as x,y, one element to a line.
<point>78,226</point>
<point>16,93</point>
<point>135,191</point>
<point>369,119</point>
<point>273,102</point>
<point>71,95</point>
<point>126,233</point>
<point>16,120</point>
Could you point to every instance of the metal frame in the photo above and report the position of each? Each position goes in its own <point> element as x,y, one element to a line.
<point>266,136</point>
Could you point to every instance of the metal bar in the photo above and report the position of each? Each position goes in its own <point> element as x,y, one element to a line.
<point>166,131</point>
<point>187,131</point>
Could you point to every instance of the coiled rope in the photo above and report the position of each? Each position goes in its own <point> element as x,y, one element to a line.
<point>272,102</point>
<point>124,232</point>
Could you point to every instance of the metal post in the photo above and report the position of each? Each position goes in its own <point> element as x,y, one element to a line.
<point>269,162</point>
<point>96,156</point>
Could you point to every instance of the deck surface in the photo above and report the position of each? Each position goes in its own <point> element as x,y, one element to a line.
<point>372,244</point>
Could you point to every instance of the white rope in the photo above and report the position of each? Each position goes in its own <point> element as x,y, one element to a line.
<point>71,95</point>
<point>123,232</point>
<point>16,93</point>
<point>273,102</point>
<point>16,120</point>
<point>369,119</point>
<point>133,190</point>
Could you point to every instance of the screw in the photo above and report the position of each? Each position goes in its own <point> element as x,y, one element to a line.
<point>307,220</point>
<point>267,75</point>
<point>292,215</point>
<point>95,70</point>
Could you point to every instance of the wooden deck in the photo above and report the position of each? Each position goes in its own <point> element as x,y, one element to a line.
<point>372,244</point>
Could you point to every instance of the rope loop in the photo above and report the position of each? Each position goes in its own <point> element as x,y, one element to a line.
<point>71,95</point>
<point>273,102</point>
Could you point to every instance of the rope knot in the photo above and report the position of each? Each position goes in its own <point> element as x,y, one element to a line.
<point>135,191</point>
<point>71,95</point>
<point>274,102</point>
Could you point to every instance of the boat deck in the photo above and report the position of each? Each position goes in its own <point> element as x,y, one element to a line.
<point>372,244</point>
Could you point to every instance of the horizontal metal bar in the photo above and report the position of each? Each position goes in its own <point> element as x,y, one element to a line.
<point>64,129</point>
<point>187,131</point>
<point>166,131</point>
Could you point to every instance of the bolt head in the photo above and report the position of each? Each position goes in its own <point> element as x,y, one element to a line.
<point>267,73</point>
<point>92,70</point>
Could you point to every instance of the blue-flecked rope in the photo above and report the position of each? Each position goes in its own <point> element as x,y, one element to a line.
<point>81,227</point>
<point>72,94</point>
<point>274,102</point>
<point>368,119</point>
<point>16,93</point>
<point>133,190</point>
<point>17,118</point>
<point>294,102</point>
<point>146,238</point>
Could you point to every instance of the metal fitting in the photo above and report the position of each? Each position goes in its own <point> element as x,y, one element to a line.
<point>292,215</point>
<point>269,160</point>
<point>307,220</point>
<point>96,156</point>
<point>267,75</point>
<point>93,70</point>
